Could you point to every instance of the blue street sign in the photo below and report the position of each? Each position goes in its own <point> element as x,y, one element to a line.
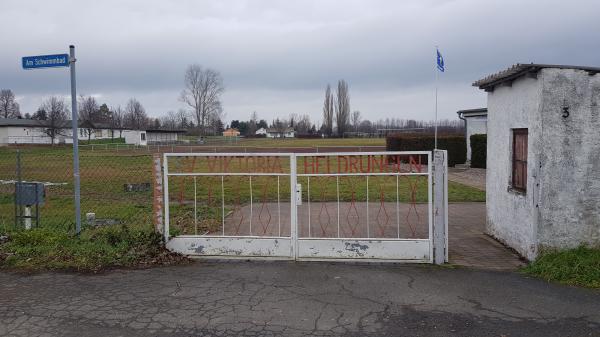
<point>46,61</point>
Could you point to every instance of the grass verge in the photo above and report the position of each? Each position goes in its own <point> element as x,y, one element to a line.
<point>578,267</point>
<point>95,250</point>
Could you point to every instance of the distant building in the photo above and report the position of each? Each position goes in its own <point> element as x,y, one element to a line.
<point>261,132</point>
<point>543,163</point>
<point>281,133</point>
<point>28,131</point>
<point>231,132</point>
<point>160,136</point>
<point>475,124</point>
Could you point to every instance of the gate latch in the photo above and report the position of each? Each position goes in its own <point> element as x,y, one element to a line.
<point>298,194</point>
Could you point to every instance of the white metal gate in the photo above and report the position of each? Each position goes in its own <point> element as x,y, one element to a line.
<point>360,205</point>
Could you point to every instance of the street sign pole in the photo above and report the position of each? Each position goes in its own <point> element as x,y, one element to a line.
<point>64,60</point>
<point>74,125</point>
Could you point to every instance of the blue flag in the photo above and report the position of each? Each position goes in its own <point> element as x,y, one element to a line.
<point>440,61</point>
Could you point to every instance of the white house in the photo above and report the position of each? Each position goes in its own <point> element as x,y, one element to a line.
<point>136,137</point>
<point>475,124</point>
<point>543,181</point>
<point>28,131</point>
<point>261,131</point>
<point>281,133</point>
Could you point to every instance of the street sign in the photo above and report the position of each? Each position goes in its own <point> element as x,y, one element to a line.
<point>45,61</point>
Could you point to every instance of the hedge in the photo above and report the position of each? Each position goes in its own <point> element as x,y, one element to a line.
<point>456,145</point>
<point>478,150</point>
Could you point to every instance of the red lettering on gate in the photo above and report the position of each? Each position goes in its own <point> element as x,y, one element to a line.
<point>415,164</point>
<point>380,163</point>
<point>345,158</point>
<point>225,163</point>
<point>277,166</point>
<point>368,170</point>
<point>312,165</point>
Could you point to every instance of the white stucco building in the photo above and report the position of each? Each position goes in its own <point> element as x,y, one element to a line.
<point>475,124</point>
<point>28,131</point>
<point>543,181</point>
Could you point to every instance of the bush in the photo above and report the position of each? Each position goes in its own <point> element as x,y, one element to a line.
<point>455,145</point>
<point>478,150</point>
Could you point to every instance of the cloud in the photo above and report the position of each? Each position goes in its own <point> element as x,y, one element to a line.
<point>276,57</point>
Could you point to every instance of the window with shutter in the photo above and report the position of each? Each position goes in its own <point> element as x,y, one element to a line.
<point>519,160</point>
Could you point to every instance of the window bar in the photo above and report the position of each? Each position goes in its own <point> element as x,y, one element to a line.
<point>223,203</point>
<point>368,232</point>
<point>278,209</point>
<point>337,178</point>
<point>250,204</point>
<point>308,198</point>
<point>398,205</point>
<point>195,209</point>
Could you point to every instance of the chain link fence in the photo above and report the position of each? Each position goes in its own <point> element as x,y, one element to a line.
<point>116,187</point>
<point>116,181</point>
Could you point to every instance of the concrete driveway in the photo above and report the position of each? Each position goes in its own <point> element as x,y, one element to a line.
<point>294,299</point>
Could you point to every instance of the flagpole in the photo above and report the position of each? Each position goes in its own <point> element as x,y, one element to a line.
<point>436,102</point>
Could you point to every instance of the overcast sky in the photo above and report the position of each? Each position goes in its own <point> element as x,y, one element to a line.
<point>276,57</point>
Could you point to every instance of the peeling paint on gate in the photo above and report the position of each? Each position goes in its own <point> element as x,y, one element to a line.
<point>357,248</point>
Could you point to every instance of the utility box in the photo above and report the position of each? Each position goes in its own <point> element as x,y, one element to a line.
<point>29,194</point>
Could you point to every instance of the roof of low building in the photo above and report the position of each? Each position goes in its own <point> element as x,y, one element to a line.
<point>472,112</point>
<point>165,131</point>
<point>524,69</point>
<point>67,124</point>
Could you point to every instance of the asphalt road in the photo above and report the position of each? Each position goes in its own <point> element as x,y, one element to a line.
<point>294,299</point>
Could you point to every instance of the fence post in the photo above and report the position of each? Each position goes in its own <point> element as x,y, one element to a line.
<point>158,193</point>
<point>440,206</point>
<point>18,208</point>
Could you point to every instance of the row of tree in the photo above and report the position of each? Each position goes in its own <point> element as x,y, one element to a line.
<point>336,108</point>
<point>202,92</point>
<point>357,127</point>
<point>55,113</point>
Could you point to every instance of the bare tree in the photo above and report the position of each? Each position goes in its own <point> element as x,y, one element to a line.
<point>303,124</point>
<point>202,92</point>
<point>280,126</point>
<point>342,107</point>
<point>9,108</point>
<point>252,125</point>
<point>88,114</point>
<point>169,121</point>
<point>182,119</point>
<point>328,112</point>
<point>135,115</point>
<point>56,117</point>
<point>356,118</point>
<point>117,120</point>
